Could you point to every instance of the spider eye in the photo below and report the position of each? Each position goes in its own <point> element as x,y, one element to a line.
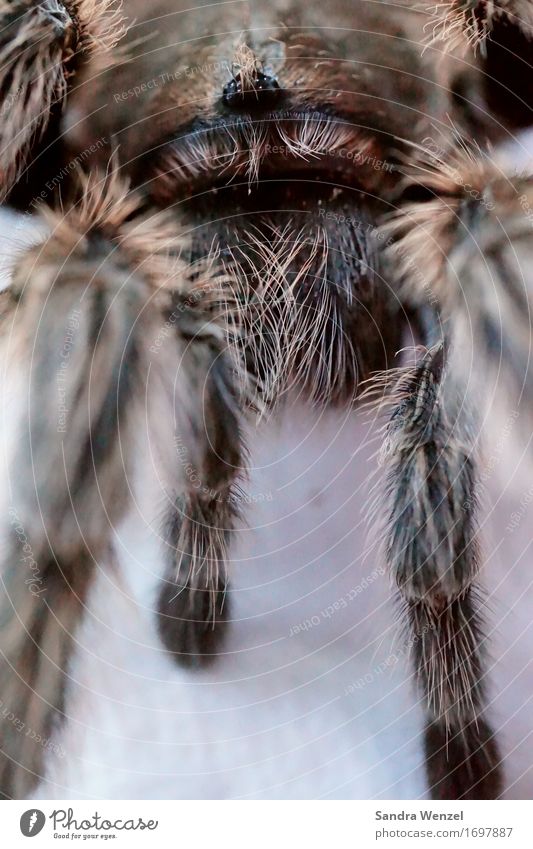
<point>261,90</point>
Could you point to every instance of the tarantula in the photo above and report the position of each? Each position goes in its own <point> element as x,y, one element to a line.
<point>236,200</point>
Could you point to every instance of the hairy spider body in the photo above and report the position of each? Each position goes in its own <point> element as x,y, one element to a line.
<point>273,209</point>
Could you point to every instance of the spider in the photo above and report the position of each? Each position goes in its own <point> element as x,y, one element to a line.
<point>235,201</point>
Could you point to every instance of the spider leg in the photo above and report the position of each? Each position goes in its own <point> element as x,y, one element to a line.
<point>43,46</point>
<point>67,318</point>
<point>80,319</point>
<point>455,22</point>
<point>501,33</point>
<point>471,245</point>
<point>471,248</point>
<point>433,553</point>
<point>193,604</point>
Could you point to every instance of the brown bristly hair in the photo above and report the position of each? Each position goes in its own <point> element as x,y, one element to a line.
<point>456,24</point>
<point>71,488</point>
<point>41,46</point>
<point>468,250</point>
<point>245,65</point>
<point>101,25</point>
